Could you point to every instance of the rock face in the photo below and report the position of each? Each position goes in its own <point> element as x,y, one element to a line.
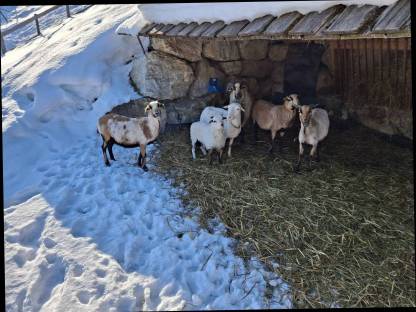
<point>278,52</point>
<point>185,48</point>
<point>277,76</point>
<point>233,68</point>
<point>186,110</point>
<point>256,69</point>
<point>221,50</point>
<point>161,76</point>
<point>253,49</point>
<point>203,72</point>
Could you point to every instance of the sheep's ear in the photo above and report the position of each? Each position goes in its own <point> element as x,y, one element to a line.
<point>223,118</point>
<point>242,109</point>
<point>147,108</point>
<point>161,104</point>
<point>225,107</point>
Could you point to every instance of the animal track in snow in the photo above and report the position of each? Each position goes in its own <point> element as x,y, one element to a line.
<point>100,273</point>
<point>78,270</point>
<point>84,296</point>
<point>50,276</point>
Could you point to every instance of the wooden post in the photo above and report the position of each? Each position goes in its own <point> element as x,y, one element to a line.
<point>3,45</point>
<point>138,37</point>
<point>68,13</point>
<point>37,24</point>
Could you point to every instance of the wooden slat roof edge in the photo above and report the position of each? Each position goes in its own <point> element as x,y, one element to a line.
<point>379,33</point>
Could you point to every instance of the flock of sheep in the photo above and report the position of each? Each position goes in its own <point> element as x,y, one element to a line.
<point>216,125</point>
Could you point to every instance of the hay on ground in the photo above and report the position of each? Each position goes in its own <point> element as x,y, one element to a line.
<point>342,232</point>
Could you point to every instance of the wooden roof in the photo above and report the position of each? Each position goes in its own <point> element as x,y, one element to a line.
<point>336,22</point>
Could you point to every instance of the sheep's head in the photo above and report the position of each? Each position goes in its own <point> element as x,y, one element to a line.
<point>154,107</point>
<point>234,113</point>
<point>291,102</point>
<point>305,113</point>
<point>216,121</point>
<point>235,91</point>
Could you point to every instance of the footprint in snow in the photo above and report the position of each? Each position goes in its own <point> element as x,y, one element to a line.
<point>100,273</point>
<point>49,242</point>
<point>78,270</point>
<point>84,296</point>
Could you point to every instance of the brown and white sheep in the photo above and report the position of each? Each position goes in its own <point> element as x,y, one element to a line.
<point>313,129</point>
<point>274,117</point>
<point>130,132</point>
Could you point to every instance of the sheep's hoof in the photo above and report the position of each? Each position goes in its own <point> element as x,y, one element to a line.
<point>107,164</point>
<point>145,168</point>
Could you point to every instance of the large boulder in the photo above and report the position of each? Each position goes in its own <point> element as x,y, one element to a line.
<point>186,110</point>
<point>204,71</point>
<point>221,50</point>
<point>278,52</point>
<point>256,69</point>
<point>159,75</point>
<point>185,48</point>
<point>253,49</point>
<point>232,68</point>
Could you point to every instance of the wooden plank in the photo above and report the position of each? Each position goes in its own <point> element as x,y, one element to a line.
<point>313,21</point>
<point>213,29</point>
<point>176,29</point>
<point>394,18</point>
<point>155,29</point>
<point>187,29</point>
<point>256,26</point>
<point>162,31</point>
<point>231,30</point>
<point>198,30</point>
<point>148,27</point>
<point>283,23</point>
<point>352,19</point>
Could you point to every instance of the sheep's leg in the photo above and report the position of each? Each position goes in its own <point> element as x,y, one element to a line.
<point>110,149</point>
<point>229,146</point>
<point>103,148</point>
<point>272,143</point>
<point>220,155</point>
<point>193,150</point>
<point>143,154</point>
<point>210,156</point>
<point>297,166</point>
<point>203,150</point>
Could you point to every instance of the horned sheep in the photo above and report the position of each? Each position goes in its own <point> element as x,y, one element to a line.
<point>239,92</point>
<point>232,115</point>
<point>313,129</point>
<point>274,117</point>
<point>130,132</point>
<point>211,135</point>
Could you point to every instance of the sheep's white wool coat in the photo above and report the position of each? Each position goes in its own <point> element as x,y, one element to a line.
<point>318,128</point>
<point>233,118</point>
<point>211,135</point>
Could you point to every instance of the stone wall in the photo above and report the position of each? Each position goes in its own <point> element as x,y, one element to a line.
<point>177,71</point>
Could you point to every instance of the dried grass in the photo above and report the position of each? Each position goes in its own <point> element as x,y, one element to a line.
<point>342,232</point>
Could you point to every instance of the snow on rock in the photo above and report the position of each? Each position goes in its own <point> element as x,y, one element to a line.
<point>229,12</point>
<point>80,236</point>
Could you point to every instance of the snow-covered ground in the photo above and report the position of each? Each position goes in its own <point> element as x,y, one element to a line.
<point>80,236</point>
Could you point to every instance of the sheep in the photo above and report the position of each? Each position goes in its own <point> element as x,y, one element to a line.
<point>211,135</point>
<point>130,132</point>
<point>274,117</point>
<point>239,92</point>
<point>313,129</point>
<point>232,114</point>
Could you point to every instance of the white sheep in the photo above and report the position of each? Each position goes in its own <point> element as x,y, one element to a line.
<point>130,132</point>
<point>211,135</point>
<point>274,117</point>
<point>314,128</point>
<point>232,115</point>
